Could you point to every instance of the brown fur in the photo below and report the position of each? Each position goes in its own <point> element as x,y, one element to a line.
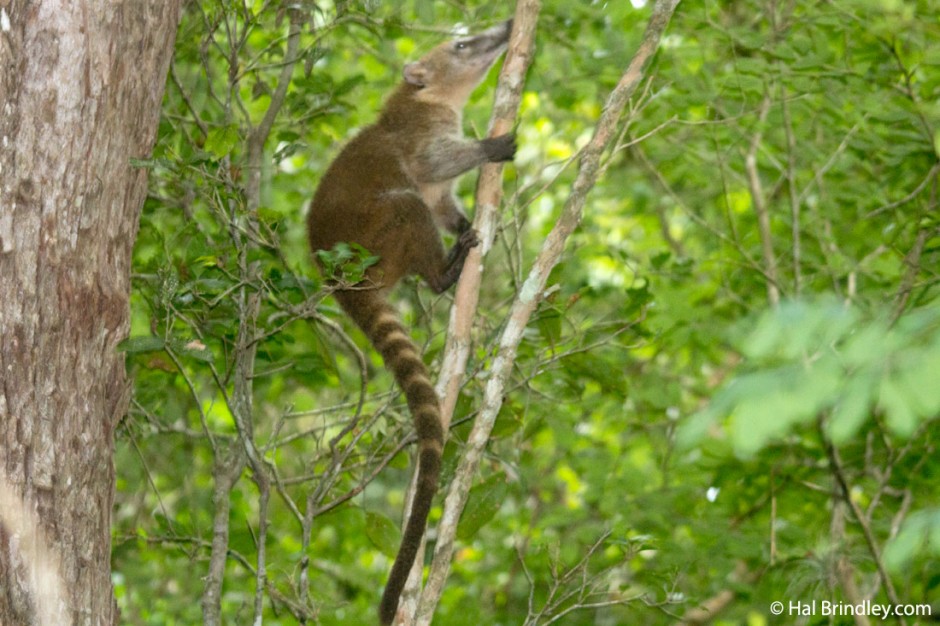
<point>389,191</point>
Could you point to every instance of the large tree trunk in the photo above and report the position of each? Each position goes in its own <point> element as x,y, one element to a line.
<point>81,83</point>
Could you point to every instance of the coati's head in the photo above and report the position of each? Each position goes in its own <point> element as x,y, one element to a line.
<point>451,71</point>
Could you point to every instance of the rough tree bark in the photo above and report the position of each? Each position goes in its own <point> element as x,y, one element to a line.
<point>81,84</point>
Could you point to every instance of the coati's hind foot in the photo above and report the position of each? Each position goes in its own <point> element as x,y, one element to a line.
<point>467,240</point>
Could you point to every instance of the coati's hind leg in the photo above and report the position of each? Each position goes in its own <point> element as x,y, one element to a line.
<point>449,215</point>
<point>413,245</point>
<point>455,259</point>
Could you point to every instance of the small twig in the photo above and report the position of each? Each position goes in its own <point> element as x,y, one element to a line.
<point>835,464</point>
<point>363,375</point>
<point>261,573</point>
<point>259,135</point>
<point>188,102</point>
<point>706,611</point>
<point>916,192</point>
<point>758,199</point>
<point>794,196</point>
<point>203,420</point>
<point>913,259</point>
<point>374,471</point>
<point>821,172</point>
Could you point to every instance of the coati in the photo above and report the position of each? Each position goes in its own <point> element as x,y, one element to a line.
<point>389,191</point>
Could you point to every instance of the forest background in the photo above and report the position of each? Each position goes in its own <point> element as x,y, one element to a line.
<point>726,396</point>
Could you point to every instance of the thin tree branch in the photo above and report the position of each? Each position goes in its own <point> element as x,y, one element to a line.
<point>529,297</point>
<point>759,200</point>
<point>188,102</point>
<point>486,218</point>
<point>259,134</point>
<point>838,471</point>
<point>931,176</point>
<point>794,196</point>
<point>227,470</point>
<point>710,608</point>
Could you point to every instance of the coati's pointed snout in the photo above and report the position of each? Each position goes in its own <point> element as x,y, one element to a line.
<point>492,42</point>
<point>504,27</point>
<point>450,71</point>
<point>498,35</point>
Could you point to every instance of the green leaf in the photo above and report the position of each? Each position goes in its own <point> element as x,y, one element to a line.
<point>209,260</point>
<point>692,430</point>
<point>383,533</point>
<point>919,380</point>
<point>899,415</point>
<point>222,140</point>
<point>549,325</point>
<point>851,410</point>
<point>508,421</point>
<point>425,10</point>
<point>348,261</point>
<point>483,502</point>
<point>144,343</point>
<point>763,410</point>
<point>921,530</point>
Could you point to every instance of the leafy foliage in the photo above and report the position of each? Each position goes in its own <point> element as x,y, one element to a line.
<point>729,390</point>
<point>821,360</point>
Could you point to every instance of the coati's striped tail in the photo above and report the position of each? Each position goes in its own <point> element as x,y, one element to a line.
<point>382,326</point>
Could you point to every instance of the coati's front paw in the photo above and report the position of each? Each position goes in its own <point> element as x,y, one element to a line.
<point>502,148</point>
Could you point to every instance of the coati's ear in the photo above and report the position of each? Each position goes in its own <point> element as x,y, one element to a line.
<point>415,74</point>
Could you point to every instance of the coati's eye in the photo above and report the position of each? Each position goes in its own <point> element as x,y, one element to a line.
<point>460,45</point>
